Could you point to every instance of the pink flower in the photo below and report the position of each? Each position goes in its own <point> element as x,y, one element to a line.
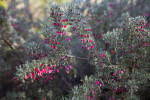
<point>67,72</point>
<point>57,70</point>
<point>131,46</point>
<point>97,82</point>
<point>67,67</point>
<point>88,48</point>
<point>54,24</point>
<point>140,29</point>
<point>111,13</point>
<point>84,39</point>
<point>45,70</point>
<point>99,36</point>
<point>68,39</point>
<point>36,69</point>
<point>48,67</point>
<point>145,14</point>
<point>111,5</point>
<point>144,44</point>
<point>50,78</point>
<point>88,29</point>
<point>103,55</point>
<point>65,33</point>
<point>42,70</point>
<point>58,24</point>
<point>65,26</point>
<point>85,46</point>
<point>50,71</point>
<point>101,84</point>
<point>42,65</point>
<point>15,25</point>
<point>111,98</point>
<point>82,47</point>
<point>88,97</point>
<point>121,72</point>
<point>112,52</point>
<point>60,14</point>
<point>98,21</point>
<point>92,46</point>
<point>45,41</point>
<point>39,73</point>
<point>54,46</point>
<point>64,20</point>
<point>91,41</point>
<point>23,49</point>
<point>92,92</point>
<point>33,75</point>
<point>113,74</point>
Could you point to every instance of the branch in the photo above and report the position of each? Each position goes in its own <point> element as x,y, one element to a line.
<point>7,42</point>
<point>76,57</point>
<point>87,59</point>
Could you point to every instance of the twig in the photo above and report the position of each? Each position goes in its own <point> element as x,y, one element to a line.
<point>76,57</point>
<point>7,43</point>
<point>87,59</point>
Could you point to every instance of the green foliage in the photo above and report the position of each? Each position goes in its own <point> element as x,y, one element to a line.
<point>98,58</point>
<point>14,29</point>
<point>128,71</point>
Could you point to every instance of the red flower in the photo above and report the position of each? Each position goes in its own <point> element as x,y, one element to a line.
<point>91,41</point>
<point>36,69</point>
<point>111,13</point>
<point>144,44</point>
<point>124,29</point>
<point>92,46</point>
<point>54,24</point>
<point>65,26</point>
<point>97,82</point>
<point>42,65</point>
<point>111,5</point>
<point>88,29</point>
<point>112,52</point>
<point>140,30</point>
<point>103,55</point>
<point>33,75</point>
<point>27,76</point>
<point>68,39</point>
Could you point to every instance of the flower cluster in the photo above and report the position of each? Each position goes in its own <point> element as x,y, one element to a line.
<point>117,67</point>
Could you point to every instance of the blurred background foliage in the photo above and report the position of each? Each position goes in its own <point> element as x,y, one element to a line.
<point>23,23</point>
<point>3,3</point>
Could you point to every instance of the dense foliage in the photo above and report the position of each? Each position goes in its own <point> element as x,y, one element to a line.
<point>80,51</point>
